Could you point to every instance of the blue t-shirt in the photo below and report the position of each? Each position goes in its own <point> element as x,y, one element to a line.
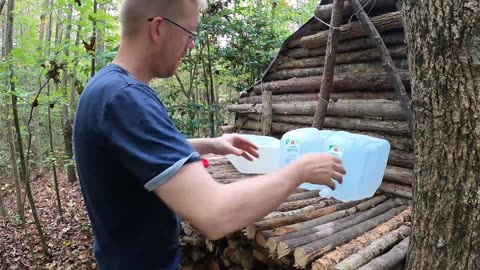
<point>125,147</point>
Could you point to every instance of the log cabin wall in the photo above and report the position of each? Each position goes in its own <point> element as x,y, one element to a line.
<point>306,231</point>
<point>362,99</point>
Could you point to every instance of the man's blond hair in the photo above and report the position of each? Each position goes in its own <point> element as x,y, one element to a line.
<point>134,13</point>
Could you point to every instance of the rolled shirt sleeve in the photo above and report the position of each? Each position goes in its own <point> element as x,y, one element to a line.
<point>142,137</point>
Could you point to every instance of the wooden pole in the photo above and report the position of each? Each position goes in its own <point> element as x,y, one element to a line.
<point>324,95</point>
<point>267,113</point>
<point>387,62</point>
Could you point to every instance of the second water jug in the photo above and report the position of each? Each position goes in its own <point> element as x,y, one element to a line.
<point>363,157</point>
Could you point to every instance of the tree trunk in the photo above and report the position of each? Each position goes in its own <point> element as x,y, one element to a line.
<point>444,44</point>
<point>2,4</point>
<point>3,209</point>
<point>76,85</point>
<point>58,38</point>
<point>341,82</point>
<point>13,159</point>
<point>37,146</point>
<point>67,126</point>
<point>24,176</point>
<point>99,38</point>
<point>94,33</point>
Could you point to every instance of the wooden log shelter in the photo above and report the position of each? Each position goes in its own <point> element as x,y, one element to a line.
<point>359,46</point>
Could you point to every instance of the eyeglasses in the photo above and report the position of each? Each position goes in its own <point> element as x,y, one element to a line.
<point>191,34</point>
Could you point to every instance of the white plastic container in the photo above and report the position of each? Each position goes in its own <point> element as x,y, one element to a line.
<point>363,157</point>
<point>268,160</point>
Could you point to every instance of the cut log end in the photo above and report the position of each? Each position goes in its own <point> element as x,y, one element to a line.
<point>283,250</point>
<point>271,245</point>
<point>250,231</point>
<point>301,258</point>
<point>260,239</point>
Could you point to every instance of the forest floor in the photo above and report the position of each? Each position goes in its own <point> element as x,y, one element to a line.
<point>69,241</point>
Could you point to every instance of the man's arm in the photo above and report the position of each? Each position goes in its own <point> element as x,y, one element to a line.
<point>226,144</point>
<point>217,209</point>
<point>202,145</point>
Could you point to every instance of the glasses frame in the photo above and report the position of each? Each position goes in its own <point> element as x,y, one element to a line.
<point>192,35</point>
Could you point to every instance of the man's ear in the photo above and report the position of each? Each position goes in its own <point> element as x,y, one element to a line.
<point>154,29</point>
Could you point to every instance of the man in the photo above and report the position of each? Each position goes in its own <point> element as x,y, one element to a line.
<point>138,172</point>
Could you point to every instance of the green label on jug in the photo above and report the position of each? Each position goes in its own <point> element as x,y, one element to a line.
<point>336,150</point>
<point>292,150</point>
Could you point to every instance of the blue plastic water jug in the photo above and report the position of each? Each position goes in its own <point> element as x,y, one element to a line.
<point>363,157</point>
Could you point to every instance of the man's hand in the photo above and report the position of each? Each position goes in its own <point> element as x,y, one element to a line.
<point>320,168</point>
<point>236,145</point>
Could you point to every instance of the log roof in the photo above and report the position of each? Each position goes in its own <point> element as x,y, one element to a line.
<point>309,40</point>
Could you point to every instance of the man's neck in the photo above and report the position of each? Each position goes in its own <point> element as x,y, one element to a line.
<point>134,63</point>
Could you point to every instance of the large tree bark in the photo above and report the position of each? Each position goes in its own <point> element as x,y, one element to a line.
<point>444,44</point>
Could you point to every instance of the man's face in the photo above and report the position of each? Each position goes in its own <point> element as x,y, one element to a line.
<point>178,38</point>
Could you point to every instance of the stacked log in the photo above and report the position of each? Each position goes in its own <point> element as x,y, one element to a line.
<point>362,99</point>
<point>306,231</point>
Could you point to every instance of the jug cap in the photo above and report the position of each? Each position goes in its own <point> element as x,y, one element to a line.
<point>326,193</point>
